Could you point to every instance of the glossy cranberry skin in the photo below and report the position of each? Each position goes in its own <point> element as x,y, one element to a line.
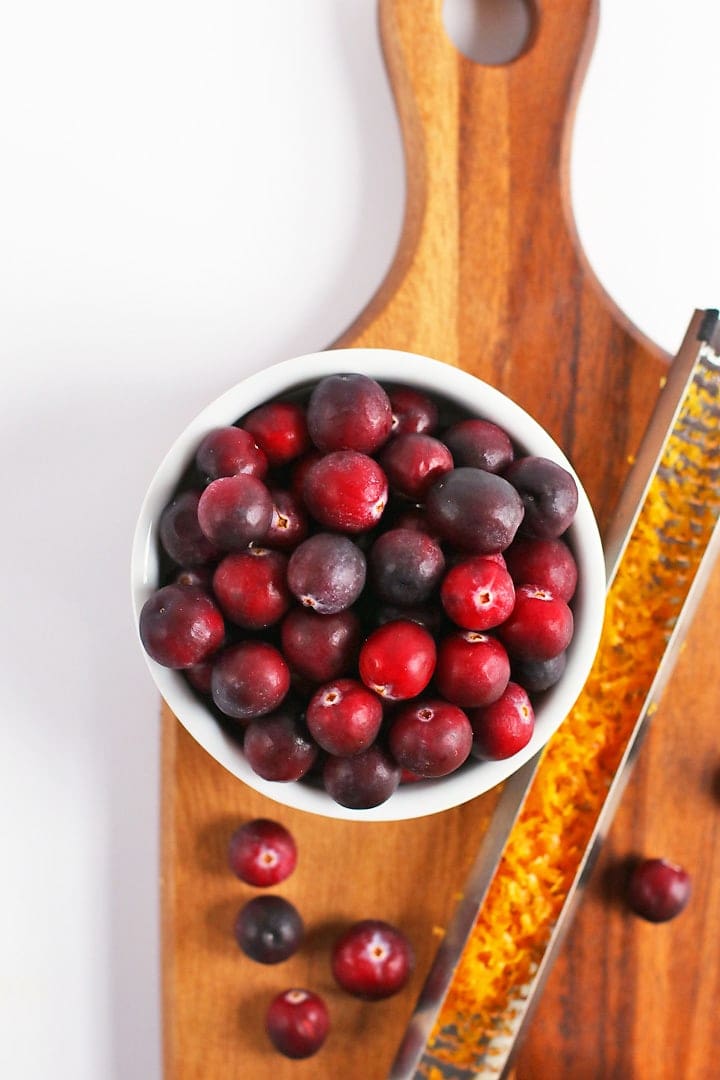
<point>234,511</point>
<point>344,717</point>
<point>346,490</point>
<point>412,412</point>
<point>362,781</point>
<point>251,587</point>
<point>180,534</point>
<point>549,494</point>
<point>397,660</point>
<point>262,853</point>
<point>349,412</point>
<point>320,647</point>
<point>269,929</point>
<point>472,669</point>
<point>474,510</point>
<point>540,626</point>
<point>480,444</point>
<point>539,675</point>
<point>297,1023</point>
<point>280,429</point>
<point>430,737</point>
<point>327,573</point>
<point>230,451</point>
<point>547,564</point>
<point>477,594</point>
<point>412,463</point>
<point>503,728</point>
<point>180,626</point>
<point>278,747</point>
<point>249,679</point>
<point>658,890</point>
<point>372,960</point>
<point>289,525</point>
<point>405,566</point>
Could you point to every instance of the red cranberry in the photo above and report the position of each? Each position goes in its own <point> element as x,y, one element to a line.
<point>474,510</point>
<point>362,781</point>
<point>199,577</point>
<point>547,564</point>
<point>472,669</point>
<point>180,626</point>
<point>326,573</point>
<point>412,411</point>
<point>262,853</point>
<point>344,717</point>
<point>477,594</point>
<point>346,490</point>
<point>289,525</point>
<point>180,533</point>
<point>269,929</point>
<point>251,587</point>
<point>297,1023</point>
<point>372,960</point>
<point>200,676</point>
<point>229,451</point>
<point>299,471</point>
<point>280,428</point>
<point>415,519</point>
<point>430,737</point>
<point>658,890</point>
<point>503,728</point>
<point>320,647</point>
<point>540,626</point>
<point>397,660</point>
<point>539,675</point>
<point>412,463</point>
<point>405,566</point>
<point>278,747</point>
<point>549,494</point>
<point>349,412</point>
<point>235,510</point>
<point>249,679</point>
<point>480,444</point>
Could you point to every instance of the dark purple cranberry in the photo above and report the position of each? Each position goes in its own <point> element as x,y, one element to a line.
<point>327,573</point>
<point>297,1023</point>
<point>472,669</point>
<point>349,412</point>
<point>200,676</point>
<point>412,463</point>
<point>280,428</point>
<point>539,675</point>
<point>430,737</point>
<point>372,960</point>
<point>346,490</point>
<point>180,533</point>
<point>269,929</point>
<point>658,889</point>
<point>180,626</point>
<point>504,727</point>
<point>540,626</point>
<point>547,564</point>
<point>414,518</point>
<point>549,494</point>
<point>200,577</point>
<point>344,717</point>
<point>278,747</point>
<point>397,660</point>
<point>262,853</point>
<point>480,444</point>
<point>320,647</point>
<point>251,587</point>
<point>289,525</point>
<point>405,566</point>
<point>362,781</point>
<point>412,411</point>
<point>229,451</point>
<point>477,594</point>
<point>234,511</point>
<point>430,617</point>
<point>249,679</point>
<point>474,510</point>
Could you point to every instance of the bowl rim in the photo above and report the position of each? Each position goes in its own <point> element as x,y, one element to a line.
<point>391,366</point>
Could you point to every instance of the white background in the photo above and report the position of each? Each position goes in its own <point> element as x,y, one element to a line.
<point>189,192</point>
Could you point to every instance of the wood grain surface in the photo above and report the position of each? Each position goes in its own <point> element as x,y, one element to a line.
<point>489,276</point>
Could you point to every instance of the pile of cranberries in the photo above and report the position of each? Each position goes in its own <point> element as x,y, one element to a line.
<point>367,586</point>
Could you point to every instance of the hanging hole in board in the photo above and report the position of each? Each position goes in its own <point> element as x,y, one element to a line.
<point>490,32</point>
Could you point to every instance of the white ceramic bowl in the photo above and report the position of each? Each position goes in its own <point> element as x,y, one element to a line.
<point>411,800</point>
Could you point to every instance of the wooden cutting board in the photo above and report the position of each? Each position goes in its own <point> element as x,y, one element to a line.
<point>488,276</point>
